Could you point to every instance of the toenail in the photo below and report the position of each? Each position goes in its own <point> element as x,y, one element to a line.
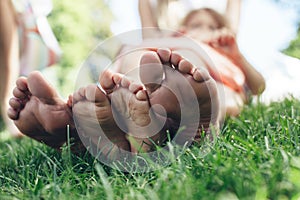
<point>100,87</point>
<point>194,70</point>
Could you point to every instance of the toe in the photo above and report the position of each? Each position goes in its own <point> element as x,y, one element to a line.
<point>141,95</point>
<point>151,71</point>
<point>93,94</point>
<point>19,93</point>
<point>164,54</point>
<point>22,84</point>
<point>12,114</point>
<point>125,82</point>
<point>70,100</point>
<point>201,75</point>
<point>185,66</point>
<point>106,81</point>
<point>15,104</point>
<point>39,87</point>
<point>79,95</point>
<point>117,78</point>
<point>135,87</point>
<point>175,59</point>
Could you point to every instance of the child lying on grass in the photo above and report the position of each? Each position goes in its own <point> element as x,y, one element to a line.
<point>173,77</point>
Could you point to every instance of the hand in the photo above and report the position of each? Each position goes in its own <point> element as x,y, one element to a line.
<point>224,41</point>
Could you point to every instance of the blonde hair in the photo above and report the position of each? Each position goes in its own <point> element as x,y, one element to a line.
<point>220,19</point>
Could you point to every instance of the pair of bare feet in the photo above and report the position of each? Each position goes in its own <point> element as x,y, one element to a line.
<point>118,111</point>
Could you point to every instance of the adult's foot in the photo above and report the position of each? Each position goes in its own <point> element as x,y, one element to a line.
<point>185,92</point>
<point>39,112</point>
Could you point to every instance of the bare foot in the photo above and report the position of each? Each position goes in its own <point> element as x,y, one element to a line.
<point>187,94</point>
<point>39,112</point>
<point>144,127</point>
<point>94,118</point>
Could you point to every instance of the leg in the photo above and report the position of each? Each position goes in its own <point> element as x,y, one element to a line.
<point>234,101</point>
<point>9,59</point>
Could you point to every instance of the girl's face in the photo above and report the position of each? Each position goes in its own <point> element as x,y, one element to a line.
<point>201,26</point>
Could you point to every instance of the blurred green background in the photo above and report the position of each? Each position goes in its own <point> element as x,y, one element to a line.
<point>294,47</point>
<point>78,27</point>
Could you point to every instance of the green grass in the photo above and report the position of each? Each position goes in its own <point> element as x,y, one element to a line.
<point>257,156</point>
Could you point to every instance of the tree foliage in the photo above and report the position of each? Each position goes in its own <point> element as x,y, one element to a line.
<point>78,25</point>
<point>294,47</point>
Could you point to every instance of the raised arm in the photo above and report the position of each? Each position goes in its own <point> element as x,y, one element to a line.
<point>148,19</point>
<point>232,14</point>
<point>224,41</point>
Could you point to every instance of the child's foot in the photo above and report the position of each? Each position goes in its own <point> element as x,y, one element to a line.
<point>187,94</point>
<point>95,120</point>
<point>144,128</point>
<point>39,112</point>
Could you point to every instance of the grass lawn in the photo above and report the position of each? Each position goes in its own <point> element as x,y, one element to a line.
<point>257,156</point>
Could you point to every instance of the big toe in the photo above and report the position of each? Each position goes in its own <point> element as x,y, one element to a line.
<point>91,93</point>
<point>39,87</point>
<point>151,71</point>
<point>94,94</point>
<point>107,81</point>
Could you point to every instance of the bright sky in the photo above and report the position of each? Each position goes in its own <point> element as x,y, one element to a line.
<point>265,29</point>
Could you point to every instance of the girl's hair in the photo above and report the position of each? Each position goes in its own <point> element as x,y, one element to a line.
<point>220,19</point>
